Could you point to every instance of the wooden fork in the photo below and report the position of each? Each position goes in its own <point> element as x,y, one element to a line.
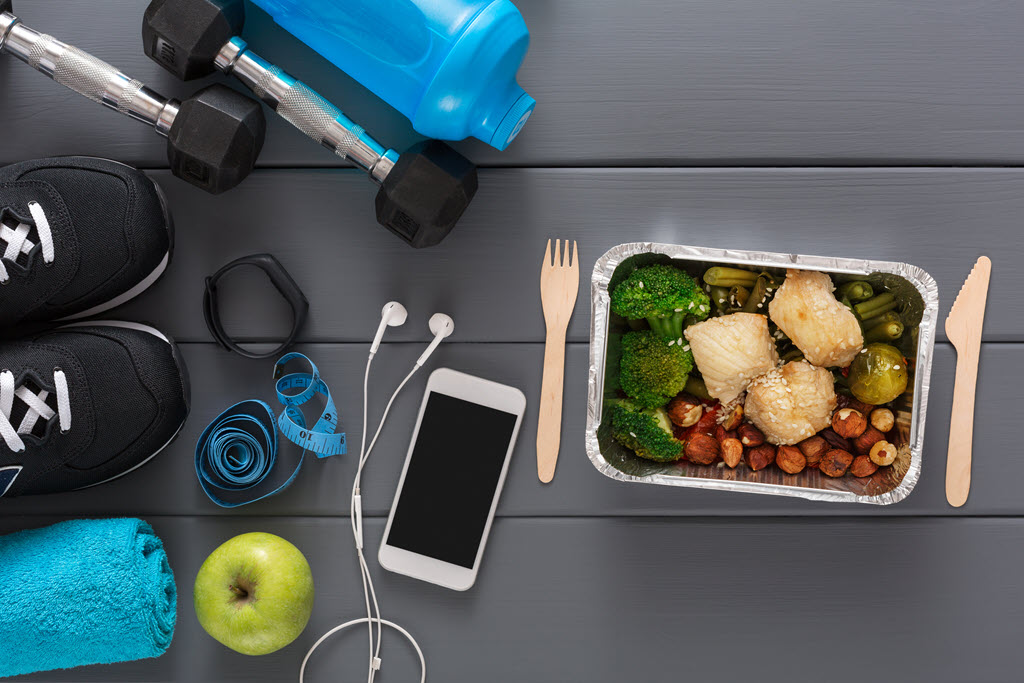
<point>559,285</point>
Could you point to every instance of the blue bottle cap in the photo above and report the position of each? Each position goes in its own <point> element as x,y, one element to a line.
<point>513,122</point>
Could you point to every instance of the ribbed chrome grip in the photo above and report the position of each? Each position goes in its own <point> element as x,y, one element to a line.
<point>89,76</point>
<point>306,109</point>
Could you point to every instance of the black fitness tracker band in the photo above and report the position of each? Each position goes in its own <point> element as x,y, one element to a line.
<point>284,284</point>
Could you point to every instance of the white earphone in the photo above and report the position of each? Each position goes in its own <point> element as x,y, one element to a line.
<point>441,326</point>
<point>392,315</point>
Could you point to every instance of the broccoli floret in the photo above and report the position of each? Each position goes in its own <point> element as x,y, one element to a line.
<point>652,370</point>
<point>662,295</point>
<point>646,433</point>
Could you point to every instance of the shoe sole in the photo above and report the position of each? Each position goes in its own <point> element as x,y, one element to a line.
<point>150,279</point>
<point>179,361</point>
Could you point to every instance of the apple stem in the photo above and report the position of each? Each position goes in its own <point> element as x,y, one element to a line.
<point>240,592</point>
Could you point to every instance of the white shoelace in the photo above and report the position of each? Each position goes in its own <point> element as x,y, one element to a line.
<point>18,242</point>
<point>37,407</point>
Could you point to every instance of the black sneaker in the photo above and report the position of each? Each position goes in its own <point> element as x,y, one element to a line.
<point>78,236</point>
<point>86,403</point>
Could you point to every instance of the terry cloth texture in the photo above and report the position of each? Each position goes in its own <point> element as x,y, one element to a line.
<point>84,592</point>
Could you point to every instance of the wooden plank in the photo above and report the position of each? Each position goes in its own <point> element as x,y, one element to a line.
<point>639,600</point>
<point>321,225</point>
<point>655,83</point>
<point>168,485</point>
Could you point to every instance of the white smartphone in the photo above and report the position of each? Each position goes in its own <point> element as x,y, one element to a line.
<point>452,479</point>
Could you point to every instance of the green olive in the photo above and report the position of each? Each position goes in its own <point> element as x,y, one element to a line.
<point>878,374</point>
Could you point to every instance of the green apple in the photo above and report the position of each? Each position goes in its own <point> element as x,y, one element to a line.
<point>254,593</point>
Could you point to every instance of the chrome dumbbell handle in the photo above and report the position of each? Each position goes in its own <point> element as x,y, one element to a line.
<point>305,109</point>
<point>86,75</point>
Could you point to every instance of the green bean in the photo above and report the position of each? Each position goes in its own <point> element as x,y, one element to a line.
<point>720,276</point>
<point>875,306</point>
<point>792,355</point>
<point>886,332</point>
<point>755,302</point>
<point>887,317</point>
<point>720,297</point>
<point>738,296</point>
<point>695,387</point>
<point>855,291</point>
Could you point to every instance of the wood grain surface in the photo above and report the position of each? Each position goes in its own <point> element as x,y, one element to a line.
<point>320,225</point>
<point>857,128</point>
<point>660,82</point>
<point>168,485</point>
<point>580,600</point>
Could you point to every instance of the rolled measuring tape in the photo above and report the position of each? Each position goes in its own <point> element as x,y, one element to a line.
<point>237,457</point>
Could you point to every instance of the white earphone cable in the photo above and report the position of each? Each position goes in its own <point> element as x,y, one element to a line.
<point>342,627</point>
<point>356,519</point>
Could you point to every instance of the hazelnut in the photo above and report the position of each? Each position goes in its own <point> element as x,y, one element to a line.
<point>749,435</point>
<point>761,456</point>
<point>790,459</point>
<point>835,441</point>
<point>733,418</point>
<point>851,402</point>
<point>835,463</point>
<point>883,420</point>
<point>702,449</point>
<point>684,410</point>
<point>863,467</point>
<point>732,451</point>
<point>813,449</point>
<point>849,423</point>
<point>883,454</point>
<point>722,434</point>
<point>863,443</point>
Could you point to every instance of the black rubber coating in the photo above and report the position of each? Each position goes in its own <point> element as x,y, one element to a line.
<point>184,36</point>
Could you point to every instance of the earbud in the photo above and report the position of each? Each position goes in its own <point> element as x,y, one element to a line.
<point>392,315</point>
<point>441,326</point>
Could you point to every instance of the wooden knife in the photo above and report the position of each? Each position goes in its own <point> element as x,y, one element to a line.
<point>963,327</point>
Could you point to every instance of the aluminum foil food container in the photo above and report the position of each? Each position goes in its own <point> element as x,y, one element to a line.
<point>918,295</point>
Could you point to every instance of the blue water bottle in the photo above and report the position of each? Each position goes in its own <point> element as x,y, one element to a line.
<point>448,65</point>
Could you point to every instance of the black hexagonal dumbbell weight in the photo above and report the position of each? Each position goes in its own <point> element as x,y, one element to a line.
<point>423,192</point>
<point>213,138</point>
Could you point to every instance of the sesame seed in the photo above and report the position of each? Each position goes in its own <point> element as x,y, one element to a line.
<point>632,434</point>
<point>721,301</point>
<point>896,367</point>
<point>760,305</point>
<point>691,305</point>
<point>641,285</point>
<point>702,309</point>
<point>680,342</point>
<point>686,348</point>
<point>679,310</point>
<point>672,343</point>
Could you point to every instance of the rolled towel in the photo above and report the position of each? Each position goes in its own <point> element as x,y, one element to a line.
<point>91,591</point>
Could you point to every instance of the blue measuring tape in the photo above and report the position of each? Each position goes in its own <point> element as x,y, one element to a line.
<point>237,454</point>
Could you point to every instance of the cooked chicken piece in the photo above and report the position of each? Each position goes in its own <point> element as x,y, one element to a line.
<point>826,331</point>
<point>731,351</point>
<point>792,403</point>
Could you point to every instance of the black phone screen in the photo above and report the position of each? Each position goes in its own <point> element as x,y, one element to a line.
<point>452,476</point>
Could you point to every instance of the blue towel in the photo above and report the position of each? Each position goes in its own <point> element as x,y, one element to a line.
<point>90,591</point>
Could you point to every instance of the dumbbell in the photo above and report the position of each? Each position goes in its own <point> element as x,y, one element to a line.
<point>213,138</point>
<point>423,192</point>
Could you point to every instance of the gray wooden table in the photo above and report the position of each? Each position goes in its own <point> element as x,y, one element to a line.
<point>862,128</point>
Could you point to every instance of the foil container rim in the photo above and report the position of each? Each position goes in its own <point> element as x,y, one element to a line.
<point>603,270</point>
